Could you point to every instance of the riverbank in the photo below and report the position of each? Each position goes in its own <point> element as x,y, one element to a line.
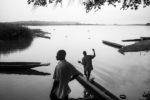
<point>14,32</point>
<point>10,32</point>
<point>15,37</point>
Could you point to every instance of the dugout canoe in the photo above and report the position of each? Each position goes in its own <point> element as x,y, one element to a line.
<point>137,40</point>
<point>99,92</point>
<point>112,44</point>
<point>21,65</point>
<point>139,46</point>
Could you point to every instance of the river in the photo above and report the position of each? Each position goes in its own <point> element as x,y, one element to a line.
<point>121,74</point>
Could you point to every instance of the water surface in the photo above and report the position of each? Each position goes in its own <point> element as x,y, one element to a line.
<point>121,74</point>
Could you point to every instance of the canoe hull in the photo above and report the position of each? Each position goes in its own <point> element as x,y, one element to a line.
<point>20,65</point>
<point>136,47</point>
<point>99,92</point>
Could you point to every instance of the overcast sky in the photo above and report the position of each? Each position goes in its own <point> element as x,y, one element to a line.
<point>18,10</point>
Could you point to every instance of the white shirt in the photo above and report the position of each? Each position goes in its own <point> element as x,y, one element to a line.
<point>63,73</point>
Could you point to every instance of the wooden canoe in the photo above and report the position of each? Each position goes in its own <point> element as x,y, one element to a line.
<point>21,65</point>
<point>137,40</point>
<point>115,45</point>
<point>99,92</point>
<point>143,45</point>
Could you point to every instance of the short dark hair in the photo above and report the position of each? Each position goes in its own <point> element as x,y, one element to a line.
<point>84,52</point>
<point>61,54</point>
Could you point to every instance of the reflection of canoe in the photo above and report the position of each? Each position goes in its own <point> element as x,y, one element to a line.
<point>18,63</point>
<point>21,65</point>
<point>99,92</point>
<point>23,72</point>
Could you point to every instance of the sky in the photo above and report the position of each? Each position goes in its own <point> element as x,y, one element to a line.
<point>19,10</point>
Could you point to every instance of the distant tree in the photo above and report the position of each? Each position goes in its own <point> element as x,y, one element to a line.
<point>97,4</point>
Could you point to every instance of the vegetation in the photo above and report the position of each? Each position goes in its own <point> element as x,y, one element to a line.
<point>45,23</point>
<point>97,4</point>
<point>14,37</point>
<point>14,32</point>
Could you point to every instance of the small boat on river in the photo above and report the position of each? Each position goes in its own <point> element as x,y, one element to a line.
<point>141,44</point>
<point>95,89</point>
<point>21,65</point>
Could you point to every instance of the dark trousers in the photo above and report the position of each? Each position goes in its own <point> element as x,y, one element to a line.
<point>87,74</point>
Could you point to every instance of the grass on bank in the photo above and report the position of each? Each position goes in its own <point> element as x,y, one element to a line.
<point>14,32</point>
<point>9,32</point>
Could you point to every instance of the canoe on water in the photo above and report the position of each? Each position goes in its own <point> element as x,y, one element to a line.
<point>143,45</point>
<point>21,65</point>
<point>99,92</point>
<point>115,45</point>
<point>107,92</point>
<point>137,40</point>
<point>136,47</point>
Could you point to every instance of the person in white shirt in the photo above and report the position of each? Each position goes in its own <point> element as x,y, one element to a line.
<point>63,74</point>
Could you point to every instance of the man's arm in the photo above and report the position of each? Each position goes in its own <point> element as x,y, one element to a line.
<point>75,73</point>
<point>94,53</point>
<point>74,77</point>
<point>80,62</point>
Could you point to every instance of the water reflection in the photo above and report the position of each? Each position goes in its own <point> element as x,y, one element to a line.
<point>7,47</point>
<point>88,96</point>
<point>120,74</point>
<point>24,72</point>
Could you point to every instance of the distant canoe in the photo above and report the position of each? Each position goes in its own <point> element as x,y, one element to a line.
<point>136,47</point>
<point>21,65</point>
<point>134,40</point>
<point>143,45</point>
<point>115,45</point>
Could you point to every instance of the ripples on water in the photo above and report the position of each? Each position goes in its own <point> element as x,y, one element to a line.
<point>121,74</point>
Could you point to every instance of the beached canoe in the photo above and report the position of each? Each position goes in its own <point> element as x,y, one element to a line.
<point>21,65</point>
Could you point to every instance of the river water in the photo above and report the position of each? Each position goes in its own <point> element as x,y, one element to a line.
<point>127,74</point>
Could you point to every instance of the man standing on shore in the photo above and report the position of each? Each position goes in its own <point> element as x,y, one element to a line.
<point>87,63</point>
<point>64,73</point>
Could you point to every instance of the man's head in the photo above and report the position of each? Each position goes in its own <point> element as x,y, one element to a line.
<point>84,53</point>
<point>61,54</point>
